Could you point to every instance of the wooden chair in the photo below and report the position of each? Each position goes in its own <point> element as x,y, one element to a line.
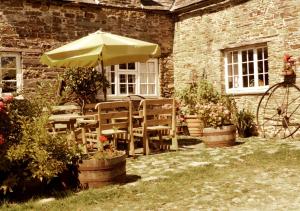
<point>114,119</point>
<point>159,120</point>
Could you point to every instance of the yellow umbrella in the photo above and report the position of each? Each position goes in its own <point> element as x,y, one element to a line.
<point>107,48</point>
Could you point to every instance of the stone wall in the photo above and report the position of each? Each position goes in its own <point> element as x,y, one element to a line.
<point>201,36</point>
<point>34,26</point>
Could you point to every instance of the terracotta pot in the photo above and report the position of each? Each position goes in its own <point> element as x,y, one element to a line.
<point>96,173</point>
<point>219,137</point>
<point>195,125</point>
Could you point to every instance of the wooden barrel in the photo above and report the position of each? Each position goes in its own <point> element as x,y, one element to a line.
<point>219,137</point>
<point>96,173</point>
<point>194,125</point>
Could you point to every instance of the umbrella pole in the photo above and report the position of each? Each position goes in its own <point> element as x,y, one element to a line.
<point>104,87</point>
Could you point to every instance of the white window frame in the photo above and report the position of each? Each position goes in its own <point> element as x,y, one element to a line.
<point>19,72</point>
<point>256,89</point>
<point>137,72</point>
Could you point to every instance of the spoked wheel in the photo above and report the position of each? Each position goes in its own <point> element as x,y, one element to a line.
<point>278,112</point>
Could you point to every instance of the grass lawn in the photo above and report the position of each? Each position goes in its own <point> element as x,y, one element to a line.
<point>259,181</point>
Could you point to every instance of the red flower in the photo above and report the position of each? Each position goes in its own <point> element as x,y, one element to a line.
<point>1,106</point>
<point>103,139</point>
<point>8,98</point>
<point>286,57</point>
<point>1,139</point>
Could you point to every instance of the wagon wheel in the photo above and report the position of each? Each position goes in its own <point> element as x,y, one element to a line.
<point>278,112</point>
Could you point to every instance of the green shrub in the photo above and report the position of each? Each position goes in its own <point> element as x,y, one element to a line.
<point>245,123</point>
<point>83,84</point>
<point>194,93</point>
<point>28,151</point>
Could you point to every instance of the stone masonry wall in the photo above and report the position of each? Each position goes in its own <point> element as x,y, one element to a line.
<point>202,35</point>
<point>34,26</point>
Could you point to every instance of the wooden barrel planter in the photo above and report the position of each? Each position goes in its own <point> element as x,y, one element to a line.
<point>96,173</point>
<point>219,137</point>
<point>194,125</point>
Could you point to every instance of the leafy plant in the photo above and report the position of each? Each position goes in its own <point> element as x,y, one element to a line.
<point>217,114</point>
<point>245,123</point>
<point>83,84</point>
<point>28,152</point>
<point>194,93</point>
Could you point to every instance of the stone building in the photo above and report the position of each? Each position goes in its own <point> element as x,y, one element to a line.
<point>236,44</point>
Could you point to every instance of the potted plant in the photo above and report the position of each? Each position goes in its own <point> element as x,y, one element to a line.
<point>106,166</point>
<point>218,118</point>
<point>245,123</point>
<point>188,97</point>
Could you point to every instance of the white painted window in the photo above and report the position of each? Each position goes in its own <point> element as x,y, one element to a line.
<point>11,77</point>
<point>133,78</point>
<point>247,70</point>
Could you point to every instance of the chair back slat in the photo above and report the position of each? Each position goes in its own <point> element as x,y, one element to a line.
<point>116,126</point>
<point>156,122</point>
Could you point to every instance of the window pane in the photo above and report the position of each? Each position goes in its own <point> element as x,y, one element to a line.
<point>230,83</point>
<point>151,78</point>
<point>236,81</point>
<point>266,66</point>
<point>122,66</point>
<point>229,70</point>
<point>143,89</point>
<point>9,86</point>
<point>245,81</point>
<point>143,67</point>
<point>151,68</point>
<point>260,67</point>
<point>250,55</point>
<point>259,54</point>
<point>122,78</point>
<point>266,79</point>
<point>112,68</point>
<point>235,56</point>
<point>251,81</point>
<point>112,89</point>
<point>131,88</point>
<point>123,89</point>
<point>229,57</point>
<point>261,80</point>
<point>244,56</point>
<point>236,69</point>
<point>9,74</point>
<point>265,53</point>
<point>131,78</point>
<point>131,66</point>
<point>151,89</point>
<point>251,68</point>
<point>143,77</point>
<point>245,69</point>
<point>112,77</point>
<point>8,62</point>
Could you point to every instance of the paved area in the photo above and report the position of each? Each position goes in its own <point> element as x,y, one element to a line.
<point>283,184</point>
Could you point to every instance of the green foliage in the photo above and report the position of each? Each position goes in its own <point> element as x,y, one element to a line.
<point>194,93</point>
<point>28,152</point>
<point>245,123</point>
<point>83,84</point>
<point>202,99</point>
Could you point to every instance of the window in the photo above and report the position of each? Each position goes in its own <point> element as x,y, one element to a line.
<point>246,70</point>
<point>10,73</point>
<point>133,78</point>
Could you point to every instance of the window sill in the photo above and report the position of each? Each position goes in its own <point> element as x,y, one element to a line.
<point>249,91</point>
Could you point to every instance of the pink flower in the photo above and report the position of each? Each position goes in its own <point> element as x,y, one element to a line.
<point>8,98</point>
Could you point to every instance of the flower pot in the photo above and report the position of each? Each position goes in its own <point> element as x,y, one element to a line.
<point>96,173</point>
<point>219,137</point>
<point>194,125</point>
